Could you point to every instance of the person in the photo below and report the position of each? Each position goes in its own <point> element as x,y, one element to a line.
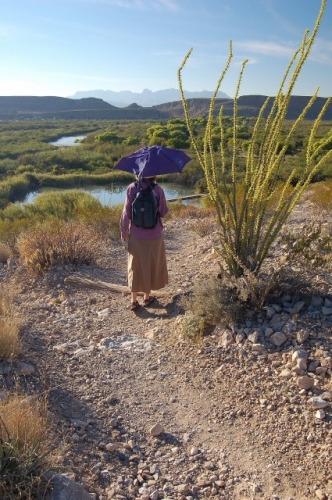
<point>147,267</point>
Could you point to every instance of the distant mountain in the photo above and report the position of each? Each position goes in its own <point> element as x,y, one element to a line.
<point>147,98</point>
<point>29,108</point>
<point>247,105</point>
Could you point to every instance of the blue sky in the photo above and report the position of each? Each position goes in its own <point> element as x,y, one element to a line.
<point>57,47</point>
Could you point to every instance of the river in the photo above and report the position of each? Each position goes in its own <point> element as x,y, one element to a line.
<point>115,194</point>
<point>68,141</point>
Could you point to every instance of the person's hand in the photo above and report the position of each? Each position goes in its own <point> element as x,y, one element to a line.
<point>124,238</point>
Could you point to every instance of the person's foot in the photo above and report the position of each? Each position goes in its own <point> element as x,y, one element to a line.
<point>147,302</point>
<point>134,306</point>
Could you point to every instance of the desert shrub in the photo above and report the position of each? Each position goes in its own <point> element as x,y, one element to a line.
<point>203,226</point>
<point>248,226</point>
<point>9,327</point>
<point>192,327</point>
<point>104,221</point>
<point>5,252</point>
<point>322,195</point>
<point>22,449</point>
<point>308,247</point>
<point>212,301</point>
<point>63,205</point>
<point>70,205</point>
<point>189,211</point>
<point>66,242</point>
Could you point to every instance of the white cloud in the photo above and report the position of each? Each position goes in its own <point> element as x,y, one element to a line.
<point>169,5</point>
<point>265,48</point>
<point>321,51</point>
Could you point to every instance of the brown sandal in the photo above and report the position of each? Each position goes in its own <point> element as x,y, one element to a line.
<point>149,301</point>
<point>134,306</point>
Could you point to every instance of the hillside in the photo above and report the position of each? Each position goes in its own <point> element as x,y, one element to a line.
<point>238,416</point>
<point>248,105</point>
<point>32,107</point>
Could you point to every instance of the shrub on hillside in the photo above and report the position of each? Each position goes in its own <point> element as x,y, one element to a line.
<point>22,448</point>
<point>61,241</point>
<point>9,327</point>
<point>5,252</point>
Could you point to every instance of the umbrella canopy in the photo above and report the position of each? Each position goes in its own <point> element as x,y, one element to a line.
<point>153,160</point>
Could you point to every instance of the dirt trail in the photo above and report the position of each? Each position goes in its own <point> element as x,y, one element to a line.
<point>234,426</point>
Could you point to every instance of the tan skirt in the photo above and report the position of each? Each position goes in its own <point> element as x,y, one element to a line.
<point>147,268</point>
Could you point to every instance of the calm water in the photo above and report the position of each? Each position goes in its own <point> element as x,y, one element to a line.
<point>68,141</point>
<point>116,193</point>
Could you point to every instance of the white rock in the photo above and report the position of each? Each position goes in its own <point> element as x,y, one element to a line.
<point>301,364</point>
<point>278,338</point>
<point>305,382</point>
<point>193,451</point>
<point>285,373</point>
<point>257,347</point>
<point>327,395</point>
<point>318,402</point>
<point>320,495</point>
<point>104,313</point>
<point>156,430</point>
<point>300,354</point>
<point>183,488</point>
<point>253,337</point>
<point>227,338</point>
<point>110,447</point>
<point>320,414</point>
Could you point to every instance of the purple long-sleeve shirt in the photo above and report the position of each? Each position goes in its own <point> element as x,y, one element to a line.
<point>126,225</point>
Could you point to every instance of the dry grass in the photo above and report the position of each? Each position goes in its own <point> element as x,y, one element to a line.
<point>181,211</point>
<point>203,227</point>
<point>5,253</point>
<point>22,420</point>
<point>22,448</point>
<point>58,241</point>
<point>9,327</point>
<point>104,222</point>
<point>321,195</point>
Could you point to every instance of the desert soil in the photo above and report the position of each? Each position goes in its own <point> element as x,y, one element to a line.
<point>232,418</point>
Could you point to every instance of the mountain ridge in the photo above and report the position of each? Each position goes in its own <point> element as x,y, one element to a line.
<point>146,98</point>
<point>52,107</point>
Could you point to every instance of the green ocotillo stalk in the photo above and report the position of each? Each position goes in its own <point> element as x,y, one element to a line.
<point>248,227</point>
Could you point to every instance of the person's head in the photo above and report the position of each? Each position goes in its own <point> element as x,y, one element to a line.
<point>148,180</point>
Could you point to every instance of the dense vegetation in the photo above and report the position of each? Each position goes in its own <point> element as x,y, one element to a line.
<point>28,160</point>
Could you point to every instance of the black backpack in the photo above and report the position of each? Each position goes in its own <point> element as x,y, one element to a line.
<point>144,211</point>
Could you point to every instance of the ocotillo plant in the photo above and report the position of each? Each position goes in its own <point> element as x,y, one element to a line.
<point>248,227</point>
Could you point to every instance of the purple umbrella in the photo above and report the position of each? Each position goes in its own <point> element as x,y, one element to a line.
<point>153,160</point>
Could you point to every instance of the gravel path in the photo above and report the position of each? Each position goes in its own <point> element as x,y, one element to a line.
<point>140,412</point>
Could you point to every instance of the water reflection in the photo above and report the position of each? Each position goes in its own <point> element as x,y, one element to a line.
<point>68,141</point>
<point>115,193</point>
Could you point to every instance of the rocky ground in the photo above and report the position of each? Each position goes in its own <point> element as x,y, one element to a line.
<point>141,412</point>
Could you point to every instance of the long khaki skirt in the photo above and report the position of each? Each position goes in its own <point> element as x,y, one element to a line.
<point>147,268</point>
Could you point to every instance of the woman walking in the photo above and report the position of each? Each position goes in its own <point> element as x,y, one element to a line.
<point>147,268</point>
